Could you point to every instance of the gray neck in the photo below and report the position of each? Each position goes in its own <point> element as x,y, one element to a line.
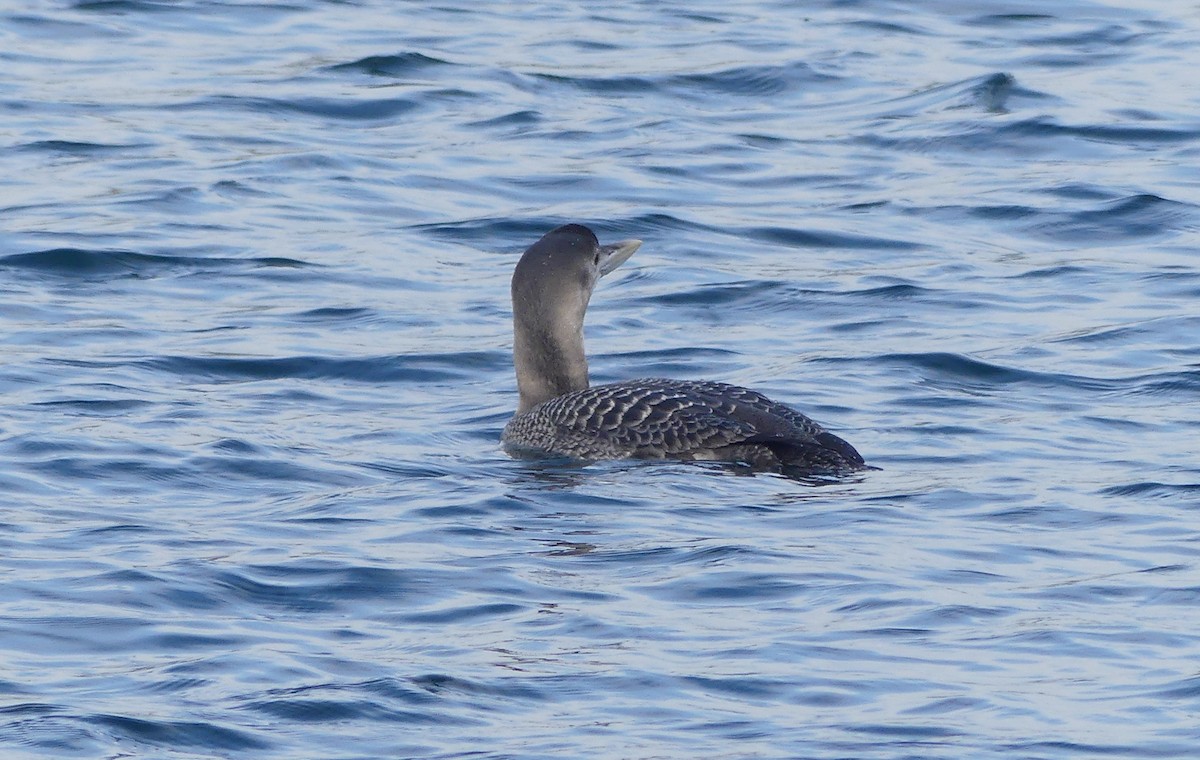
<point>548,347</point>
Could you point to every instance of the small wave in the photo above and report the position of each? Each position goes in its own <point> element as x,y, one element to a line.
<point>1184,384</point>
<point>1104,39</point>
<point>399,66</point>
<point>726,587</point>
<point>1134,217</point>
<point>83,263</point>
<point>907,733</point>
<point>762,296</point>
<point>1034,136</point>
<point>485,231</point>
<point>991,92</point>
<point>741,81</point>
<point>1154,490</point>
<point>444,685</point>
<point>76,148</point>
<point>313,711</point>
<point>794,238</point>
<point>96,406</point>
<point>1170,328</point>
<point>523,119</point>
<point>1131,135</point>
<point>888,27</point>
<point>753,80</point>
<point>341,109</point>
<point>177,734</point>
<point>901,291</point>
<point>488,230</point>
<point>345,109</point>
<point>314,587</point>
<point>277,468</point>
<point>671,362</point>
<point>1078,192</point>
<point>463,614</point>
<point>663,221</point>
<point>722,294</point>
<point>1009,19</point>
<point>413,368</point>
<point>333,314</point>
<point>1049,273</point>
<point>1183,689</point>
<point>231,188</point>
<point>127,6</point>
<point>1002,213</point>
<point>673,354</point>
<point>1125,219</point>
<point>959,368</point>
<point>742,686</point>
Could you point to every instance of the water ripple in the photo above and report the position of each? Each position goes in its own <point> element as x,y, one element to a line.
<point>256,345</point>
<point>88,264</point>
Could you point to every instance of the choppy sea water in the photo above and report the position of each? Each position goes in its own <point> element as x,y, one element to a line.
<point>255,359</point>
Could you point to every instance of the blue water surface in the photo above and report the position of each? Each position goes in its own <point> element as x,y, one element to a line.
<point>255,357</point>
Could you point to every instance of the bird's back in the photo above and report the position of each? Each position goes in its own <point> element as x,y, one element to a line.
<point>656,418</point>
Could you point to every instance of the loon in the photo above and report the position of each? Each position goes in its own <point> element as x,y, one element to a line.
<point>560,415</point>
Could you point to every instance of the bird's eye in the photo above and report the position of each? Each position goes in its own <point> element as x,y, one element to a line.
<point>596,260</point>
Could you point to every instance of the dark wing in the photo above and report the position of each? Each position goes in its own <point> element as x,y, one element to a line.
<point>651,418</point>
<point>658,417</point>
<point>791,435</point>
